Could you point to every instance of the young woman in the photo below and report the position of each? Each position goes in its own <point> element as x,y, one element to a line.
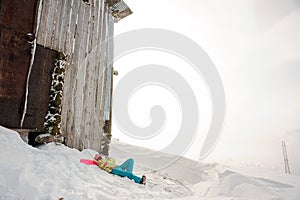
<point>124,170</point>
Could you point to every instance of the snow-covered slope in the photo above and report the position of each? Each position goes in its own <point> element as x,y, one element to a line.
<point>54,172</point>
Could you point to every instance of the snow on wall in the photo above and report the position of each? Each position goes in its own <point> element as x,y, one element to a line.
<point>78,29</point>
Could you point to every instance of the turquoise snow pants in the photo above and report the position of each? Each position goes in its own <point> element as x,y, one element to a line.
<point>126,169</point>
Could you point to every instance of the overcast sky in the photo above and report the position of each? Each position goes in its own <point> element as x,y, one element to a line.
<point>255,46</point>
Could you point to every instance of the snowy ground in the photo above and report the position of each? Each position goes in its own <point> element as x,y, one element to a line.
<point>54,171</point>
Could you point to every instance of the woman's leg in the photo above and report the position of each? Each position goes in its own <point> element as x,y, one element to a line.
<point>120,172</point>
<point>127,165</point>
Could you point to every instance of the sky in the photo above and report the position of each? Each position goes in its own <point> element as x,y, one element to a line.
<point>255,46</point>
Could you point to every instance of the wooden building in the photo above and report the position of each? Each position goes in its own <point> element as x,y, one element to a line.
<point>56,67</point>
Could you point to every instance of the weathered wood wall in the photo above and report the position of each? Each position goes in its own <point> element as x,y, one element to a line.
<point>80,30</point>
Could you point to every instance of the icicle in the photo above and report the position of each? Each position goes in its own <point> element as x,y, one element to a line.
<point>31,64</point>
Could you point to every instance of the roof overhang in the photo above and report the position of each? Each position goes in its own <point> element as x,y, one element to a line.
<point>119,9</point>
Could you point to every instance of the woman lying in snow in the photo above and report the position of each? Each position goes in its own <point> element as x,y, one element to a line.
<point>109,165</point>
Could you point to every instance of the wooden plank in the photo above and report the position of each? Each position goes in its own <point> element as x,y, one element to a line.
<point>74,37</point>
<point>70,26</point>
<point>102,55</point>
<point>96,129</point>
<point>42,34</point>
<point>93,38</point>
<point>49,27</point>
<point>56,26</point>
<point>100,77</point>
<point>67,101</point>
<point>59,25</point>
<point>88,85</point>
<point>92,80</point>
<point>103,64</point>
<point>54,23</point>
<point>84,67</point>
<point>91,28</point>
<point>66,24</point>
<point>86,110</point>
<point>71,126</point>
<point>78,93</point>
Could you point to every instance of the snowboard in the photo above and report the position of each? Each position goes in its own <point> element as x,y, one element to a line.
<point>88,162</point>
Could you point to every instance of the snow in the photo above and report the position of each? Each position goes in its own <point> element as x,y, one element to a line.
<point>53,171</point>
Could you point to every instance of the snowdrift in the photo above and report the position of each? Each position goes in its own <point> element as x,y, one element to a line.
<point>53,171</point>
